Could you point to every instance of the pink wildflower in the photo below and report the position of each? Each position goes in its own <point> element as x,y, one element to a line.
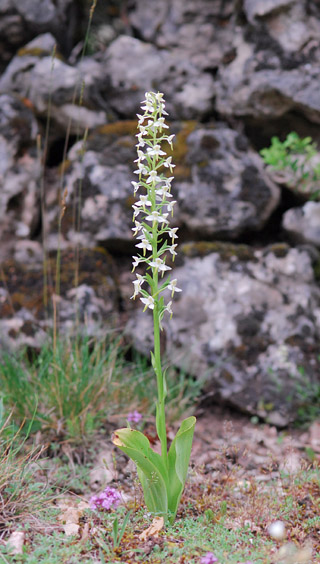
<point>134,416</point>
<point>209,558</point>
<point>107,499</point>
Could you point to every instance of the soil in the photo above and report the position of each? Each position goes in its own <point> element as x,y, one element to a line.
<point>252,446</point>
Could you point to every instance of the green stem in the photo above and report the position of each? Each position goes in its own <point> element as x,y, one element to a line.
<point>162,432</point>
<point>161,416</point>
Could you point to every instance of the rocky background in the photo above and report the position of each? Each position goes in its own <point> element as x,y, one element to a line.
<point>234,73</point>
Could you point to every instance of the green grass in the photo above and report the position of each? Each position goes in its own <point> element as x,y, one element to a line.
<point>19,490</point>
<point>71,393</point>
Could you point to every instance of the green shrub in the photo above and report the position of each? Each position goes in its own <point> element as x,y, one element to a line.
<point>297,158</point>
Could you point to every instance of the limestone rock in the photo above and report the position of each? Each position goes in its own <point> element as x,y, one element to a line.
<point>303,223</point>
<point>247,320</point>
<point>22,21</point>
<point>259,8</point>
<point>28,298</point>
<point>220,185</point>
<point>275,66</point>
<point>54,87</point>
<point>187,90</point>
<point>19,171</point>
<point>100,182</point>
<point>228,191</point>
<point>188,28</point>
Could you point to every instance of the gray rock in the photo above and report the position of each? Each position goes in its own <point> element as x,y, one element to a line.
<point>220,185</point>
<point>20,21</point>
<point>53,87</point>
<point>246,319</point>
<point>16,77</point>
<point>303,223</point>
<point>21,330</point>
<point>228,191</point>
<point>186,27</point>
<point>274,70</point>
<point>163,22</point>
<point>42,12</point>
<point>188,91</point>
<point>44,44</point>
<point>268,93</point>
<point>259,8</point>
<point>13,32</point>
<point>88,308</point>
<point>104,176</point>
<point>292,28</point>
<point>19,171</point>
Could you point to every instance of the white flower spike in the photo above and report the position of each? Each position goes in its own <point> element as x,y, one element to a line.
<point>154,205</point>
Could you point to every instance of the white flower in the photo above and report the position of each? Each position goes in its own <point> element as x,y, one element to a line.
<point>169,139</point>
<point>141,141</point>
<point>156,216</point>
<point>148,106</point>
<point>143,202</point>
<point>137,285</point>
<point>163,193</point>
<point>155,151</point>
<point>159,97</point>
<point>168,164</point>
<point>141,157</point>
<point>136,186</point>
<point>172,249</point>
<point>145,245</point>
<point>172,233</point>
<point>277,530</point>
<point>136,262</point>
<point>141,170</point>
<point>173,287</point>
<point>142,131</point>
<point>136,211</point>
<point>153,177</point>
<point>167,181</point>
<point>149,302</point>
<point>170,206</point>
<point>159,264</point>
<point>164,219</point>
<point>137,228</point>
<point>168,308</point>
<point>160,123</point>
<point>155,204</point>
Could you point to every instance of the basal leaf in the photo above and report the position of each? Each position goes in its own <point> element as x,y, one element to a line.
<point>178,462</point>
<point>151,470</point>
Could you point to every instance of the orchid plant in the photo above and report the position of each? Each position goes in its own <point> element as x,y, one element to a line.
<point>162,476</point>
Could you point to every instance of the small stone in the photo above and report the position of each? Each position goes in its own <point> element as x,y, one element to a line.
<point>277,530</point>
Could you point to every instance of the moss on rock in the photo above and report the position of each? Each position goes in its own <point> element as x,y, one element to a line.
<point>225,250</point>
<point>117,128</point>
<point>37,52</point>
<point>26,285</point>
<point>180,149</point>
<point>280,250</point>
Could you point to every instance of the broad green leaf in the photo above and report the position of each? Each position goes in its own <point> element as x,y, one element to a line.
<point>151,470</point>
<point>178,462</point>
